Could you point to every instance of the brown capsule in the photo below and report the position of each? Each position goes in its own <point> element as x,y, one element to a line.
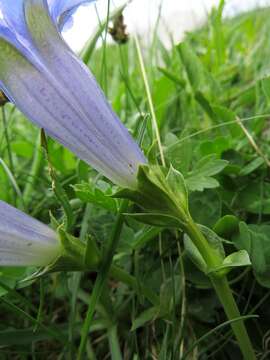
<point>118,31</point>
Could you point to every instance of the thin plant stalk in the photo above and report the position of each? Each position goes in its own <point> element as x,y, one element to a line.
<point>223,291</point>
<point>150,100</point>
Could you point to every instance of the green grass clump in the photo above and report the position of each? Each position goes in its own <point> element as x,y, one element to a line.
<point>211,98</point>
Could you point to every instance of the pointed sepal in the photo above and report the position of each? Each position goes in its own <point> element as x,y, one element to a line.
<point>160,192</point>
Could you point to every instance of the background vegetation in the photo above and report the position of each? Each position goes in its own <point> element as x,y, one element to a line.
<point>211,97</point>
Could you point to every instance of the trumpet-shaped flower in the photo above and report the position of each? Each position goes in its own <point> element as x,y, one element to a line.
<point>25,241</point>
<point>56,91</point>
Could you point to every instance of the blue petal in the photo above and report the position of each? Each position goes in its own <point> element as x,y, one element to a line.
<point>62,10</point>
<point>50,100</point>
<point>84,93</point>
<point>12,23</point>
<point>12,15</point>
<point>24,240</point>
<point>56,91</point>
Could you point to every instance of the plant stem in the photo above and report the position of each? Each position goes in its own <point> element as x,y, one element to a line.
<point>222,288</point>
<point>102,277</point>
<point>226,298</point>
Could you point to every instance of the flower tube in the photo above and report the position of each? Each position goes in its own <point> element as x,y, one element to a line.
<point>56,91</point>
<point>25,241</point>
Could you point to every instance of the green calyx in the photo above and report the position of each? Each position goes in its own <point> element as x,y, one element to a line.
<point>75,256</point>
<point>162,195</point>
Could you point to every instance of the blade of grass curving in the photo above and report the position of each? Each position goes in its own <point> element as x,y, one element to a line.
<point>220,326</point>
<point>18,296</point>
<point>13,182</point>
<point>14,308</point>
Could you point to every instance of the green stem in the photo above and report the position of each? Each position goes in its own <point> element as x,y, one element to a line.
<point>222,289</point>
<point>102,277</point>
<point>226,298</point>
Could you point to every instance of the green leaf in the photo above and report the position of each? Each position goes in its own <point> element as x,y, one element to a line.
<point>266,87</point>
<point>215,146</point>
<point>226,226</point>
<point>194,254</point>
<point>254,198</point>
<point>255,240</point>
<point>22,148</point>
<point>205,207</point>
<point>145,317</point>
<point>163,89</point>
<point>177,187</point>
<point>252,166</point>
<point>213,239</point>
<point>199,183</point>
<point>201,176</point>
<point>236,259</point>
<point>200,79</point>
<point>144,236</point>
<point>209,166</point>
<point>172,76</point>
<point>155,219</point>
<point>90,194</point>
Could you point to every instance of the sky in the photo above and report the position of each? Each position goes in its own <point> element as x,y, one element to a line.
<point>177,16</point>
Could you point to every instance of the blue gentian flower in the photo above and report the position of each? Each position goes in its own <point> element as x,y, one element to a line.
<point>56,91</point>
<point>25,241</point>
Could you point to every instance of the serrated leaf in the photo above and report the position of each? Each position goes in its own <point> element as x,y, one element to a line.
<point>89,194</point>
<point>201,176</point>
<point>199,183</point>
<point>209,165</point>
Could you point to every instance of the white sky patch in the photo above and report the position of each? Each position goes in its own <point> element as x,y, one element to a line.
<point>177,16</point>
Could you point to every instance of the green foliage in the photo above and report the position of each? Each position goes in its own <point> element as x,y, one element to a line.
<point>198,88</point>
